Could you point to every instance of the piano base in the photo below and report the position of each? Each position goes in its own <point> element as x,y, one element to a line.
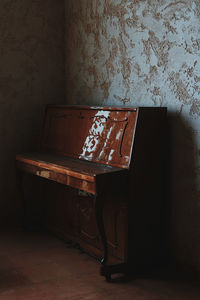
<point>108,271</point>
<point>95,224</point>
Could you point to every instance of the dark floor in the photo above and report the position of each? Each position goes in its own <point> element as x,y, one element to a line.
<point>36,266</point>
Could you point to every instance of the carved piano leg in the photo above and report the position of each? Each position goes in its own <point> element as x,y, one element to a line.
<point>99,219</point>
<point>106,269</point>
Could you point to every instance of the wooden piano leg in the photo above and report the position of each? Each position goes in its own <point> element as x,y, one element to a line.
<point>99,219</point>
<point>106,269</point>
<point>100,224</point>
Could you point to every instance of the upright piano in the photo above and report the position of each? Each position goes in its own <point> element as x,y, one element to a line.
<point>101,182</point>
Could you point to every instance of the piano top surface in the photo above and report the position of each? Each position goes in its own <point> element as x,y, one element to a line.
<point>86,107</point>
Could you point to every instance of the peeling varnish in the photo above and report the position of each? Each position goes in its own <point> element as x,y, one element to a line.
<point>45,174</point>
<point>126,158</point>
<point>84,185</point>
<point>119,135</point>
<point>110,154</point>
<point>106,142</point>
<point>94,135</point>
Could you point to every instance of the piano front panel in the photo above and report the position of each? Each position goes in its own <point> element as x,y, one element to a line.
<point>82,184</point>
<point>97,135</point>
<point>88,227</point>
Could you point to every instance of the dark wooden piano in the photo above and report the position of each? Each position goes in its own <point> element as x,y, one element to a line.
<point>101,175</point>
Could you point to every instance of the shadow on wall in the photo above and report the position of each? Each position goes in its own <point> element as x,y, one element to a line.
<point>171,227</point>
<point>184,194</point>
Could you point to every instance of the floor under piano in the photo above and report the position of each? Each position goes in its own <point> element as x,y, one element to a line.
<point>38,266</point>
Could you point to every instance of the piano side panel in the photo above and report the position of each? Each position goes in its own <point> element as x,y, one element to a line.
<point>97,135</point>
<point>116,227</point>
<point>148,207</point>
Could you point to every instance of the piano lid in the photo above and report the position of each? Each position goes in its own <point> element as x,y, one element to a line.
<point>101,135</point>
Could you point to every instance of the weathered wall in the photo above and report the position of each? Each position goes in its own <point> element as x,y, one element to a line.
<point>31,74</point>
<point>146,52</point>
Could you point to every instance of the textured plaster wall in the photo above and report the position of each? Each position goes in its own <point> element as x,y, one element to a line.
<point>31,74</point>
<point>147,53</point>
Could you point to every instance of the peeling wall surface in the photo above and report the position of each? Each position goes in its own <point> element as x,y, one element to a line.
<point>31,74</point>
<point>146,53</point>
